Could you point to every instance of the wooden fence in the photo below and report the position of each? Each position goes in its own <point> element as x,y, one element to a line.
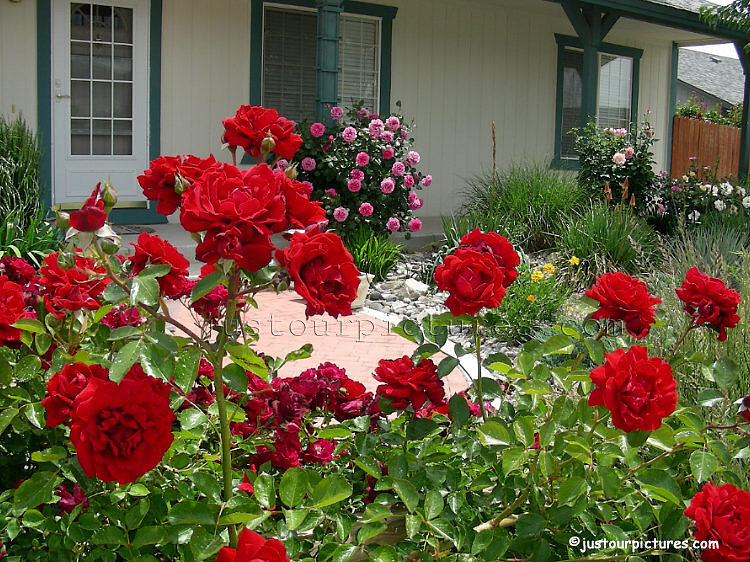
<point>717,146</point>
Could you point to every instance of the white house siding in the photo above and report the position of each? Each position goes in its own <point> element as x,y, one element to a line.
<point>205,72</point>
<point>18,60</point>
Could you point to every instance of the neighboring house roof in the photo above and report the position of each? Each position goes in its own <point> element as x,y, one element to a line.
<point>689,5</point>
<point>719,76</point>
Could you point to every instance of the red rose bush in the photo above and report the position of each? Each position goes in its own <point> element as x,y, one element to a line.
<point>140,420</point>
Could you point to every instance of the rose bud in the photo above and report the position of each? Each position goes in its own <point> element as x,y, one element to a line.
<point>109,246</point>
<point>66,260</point>
<point>62,219</point>
<point>267,145</point>
<point>109,196</point>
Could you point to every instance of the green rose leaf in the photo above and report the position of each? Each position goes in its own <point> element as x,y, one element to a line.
<point>144,290</point>
<point>660,485</point>
<point>420,428</point>
<point>124,359</point>
<point>330,490</point>
<point>293,486</point>
<point>433,504</point>
<point>186,369</point>
<point>150,535</point>
<point>407,492</point>
<point>725,372</point>
<point>459,410</point>
<point>369,531</point>
<point>446,366</point>
<point>38,489</point>
<point>494,433</point>
<point>110,535</point>
<point>265,490</point>
<point>703,464</point>
<point>190,512</point>
<point>206,284</point>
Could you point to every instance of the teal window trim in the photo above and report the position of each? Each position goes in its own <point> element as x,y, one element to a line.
<point>385,13</point>
<point>672,101</point>
<point>44,107</point>
<point>566,41</point>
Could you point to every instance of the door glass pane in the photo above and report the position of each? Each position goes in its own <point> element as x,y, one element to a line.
<point>80,100</point>
<point>123,63</point>
<point>572,95</point>
<point>615,90</point>
<point>102,60</point>
<point>123,24</point>
<point>102,137</point>
<point>123,137</point>
<point>123,100</point>
<point>80,136</point>
<point>80,21</point>
<point>80,62</point>
<point>101,23</point>
<point>102,99</point>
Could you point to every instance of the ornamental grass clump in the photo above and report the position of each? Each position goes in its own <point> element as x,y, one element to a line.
<point>130,431</point>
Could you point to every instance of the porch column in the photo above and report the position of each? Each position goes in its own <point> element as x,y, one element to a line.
<point>592,26</point>
<point>327,59</point>
<point>745,135</point>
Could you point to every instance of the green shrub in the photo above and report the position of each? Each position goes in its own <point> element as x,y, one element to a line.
<point>33,243</point>
<point>533,300</point>
<point>19,172</point>
<point>598,148</point>
<point>373,253</point>
<point>524,203</point>
<point>607,239</point>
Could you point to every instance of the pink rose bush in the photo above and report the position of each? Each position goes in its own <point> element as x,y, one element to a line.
<point>382,169</point>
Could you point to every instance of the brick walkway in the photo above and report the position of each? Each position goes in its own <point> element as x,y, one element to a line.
<point>355,343</point>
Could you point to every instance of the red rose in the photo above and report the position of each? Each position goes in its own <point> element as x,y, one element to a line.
<point>323,272</point>
<point>497,246</point>
<point>321,451</point>
<point>744,411</point>
<point>65,386</point>
<point>158,182</point>
<point>300,211</point>
<point>287,449</point>
<point>639,390</point>
<point>625,298</point>
<point>120,432</point>
<point>71,289</point>
<point>152,250</point>
<point>722,514</point>
<point>473,279</point>
<point>92,216</point>
<point>11,309</point>
<point>406,384</point>
<point>251,124</point>
<point>254,548</point>
<point>708,301</point>
<point>69,501</point>
<point>123,315</point>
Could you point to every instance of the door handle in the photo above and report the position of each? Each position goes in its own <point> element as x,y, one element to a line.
<point>59,94</point>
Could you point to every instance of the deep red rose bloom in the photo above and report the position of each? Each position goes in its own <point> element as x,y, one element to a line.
<point>406,384</point>
<point>744,411</point>
<point>120,432</point>
<point>708,301</point>
<point>65,386</point>
<point>152,250</point>
<point>68,501</point>
<point>722,514</point>
<point>123,315</point>
<point>287,449</point>
<point>251,124</point>
<point>246,485</point>
<point>323,272</point>
<point>639,390</point>
<point>497,246</point>
<point>18,270</point>
<point>473,279</point>
<point>11,309</point>
<point>254,548</point>
<point>71,289</point>
<point>158,182</point>
<point>92,216</point>
<point>321,451</point>
<point>300,211</point>
<point>625,298</point>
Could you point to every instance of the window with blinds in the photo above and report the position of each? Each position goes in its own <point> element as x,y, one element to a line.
<point>289,48</point>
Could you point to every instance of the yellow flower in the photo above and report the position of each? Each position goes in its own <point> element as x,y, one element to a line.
<point>692,174</point>
<point>531,298</point>
<point>537,275</point>
<point>574,261</point>
<point>548,268</point>
<point>684,178</point>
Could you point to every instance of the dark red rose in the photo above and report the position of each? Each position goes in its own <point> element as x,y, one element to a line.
<point>123,315</point>
<point>120,432</point>
<point>722,513</point>
<point>300,211</point>
<point>497,246</point>
<point>71,289</point>
<point>639,390</point>
<point>286,449</point>
<point>321,451</point>
<point>286,404</point>
<point>625,298</point>
<point>254,548</point>
<point>744,411</point>
<point>323,272</point>
<point>12,307</point>
<point>18,270</point>
<point>152,250</point>
<point>708,301</point>
<point>65,386</point>
<point>408,385</point>
<point>158,182</point>
<point>251,124</point>
<point>246,485</point>
<point>92,216</point>
<point>69,501</point>
<point>473,279</point>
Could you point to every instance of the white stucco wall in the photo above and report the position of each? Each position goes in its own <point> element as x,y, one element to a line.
<point>18,60</point>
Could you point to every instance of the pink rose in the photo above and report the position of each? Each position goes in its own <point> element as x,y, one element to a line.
<point>331,193</point>
<point>393,224</point>
<point>392,123</point>
<point>387,185</point>
<point>362,159</point>
<point>426,181</point>
<point>357,174</point>
<point>388,152</point>
<point>354,185</point>
<point>376,127</point>
<point>317,129</point>
<point>337,113</point>
<point>365,209</point>
<point>398,169</point>
<point>629,152</point>
<point>415,225</point>
<point>618,158</point>
<point>408,181</point>
<point>349,134</point>
<point>340,214</point>
<point>413,158</point>
<point>308,164</point>
<point>386,136</point>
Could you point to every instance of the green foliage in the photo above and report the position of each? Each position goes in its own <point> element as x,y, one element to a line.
<point>608,239</point>
<point>599,151</point>
<point>533,300</point>
<point>524,203</point>
<point>698,109</point>
<point>373,253</point>
<point>33,241</point>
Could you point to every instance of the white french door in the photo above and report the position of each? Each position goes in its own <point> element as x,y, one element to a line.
<point>99,97</point>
